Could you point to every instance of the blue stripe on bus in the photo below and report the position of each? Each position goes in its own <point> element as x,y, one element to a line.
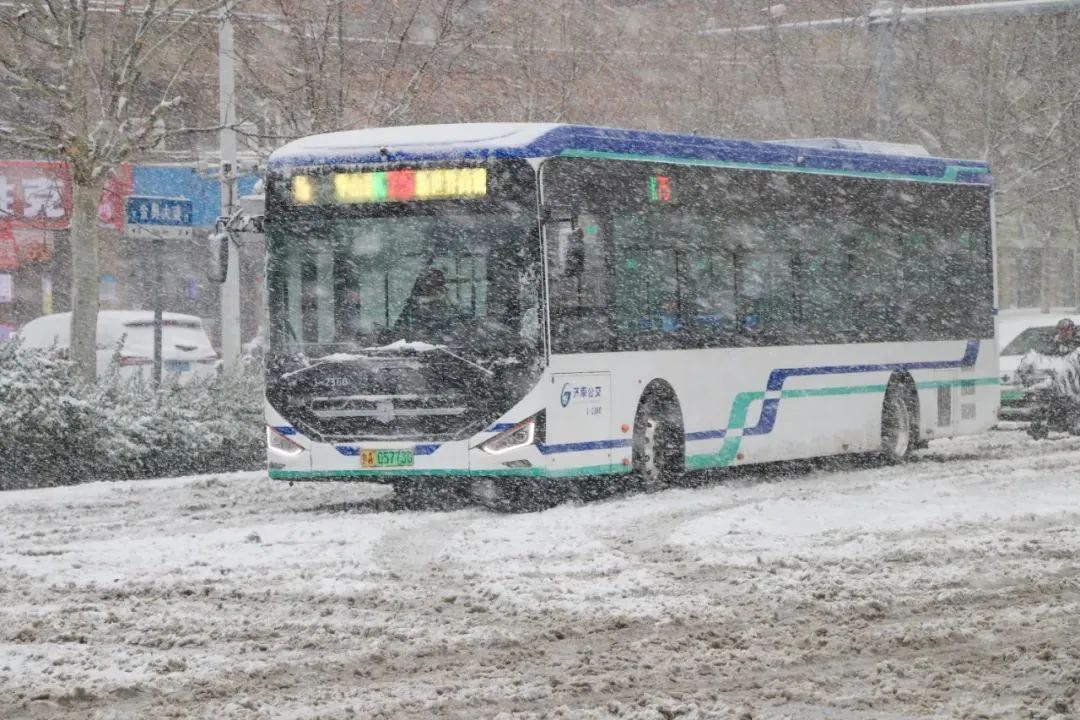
<point>769,409</point>
<point>771,406</point>
<point>660,146</point>
<point>705,435</point>
<point>584,446</point>
<point>767,420</point>
<point>971,353</point>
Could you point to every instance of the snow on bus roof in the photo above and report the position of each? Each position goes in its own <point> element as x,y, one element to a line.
<point>411,138</point>
<point>865,146</point>
<point>478,141</point>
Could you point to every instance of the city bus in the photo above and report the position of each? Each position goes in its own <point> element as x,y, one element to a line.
<point>488,305</point>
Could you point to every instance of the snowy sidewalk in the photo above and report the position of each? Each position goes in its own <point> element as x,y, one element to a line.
<point>945,588</point>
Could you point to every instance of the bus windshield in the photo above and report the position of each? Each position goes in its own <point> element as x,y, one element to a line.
<point>453,280</point>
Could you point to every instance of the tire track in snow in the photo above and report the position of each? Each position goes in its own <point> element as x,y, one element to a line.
<point>641,607</point>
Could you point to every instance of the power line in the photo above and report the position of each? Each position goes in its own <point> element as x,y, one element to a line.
<point>887,12</point>
<point>280,23</point>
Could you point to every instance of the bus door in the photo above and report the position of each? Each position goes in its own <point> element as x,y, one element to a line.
<point>579,432</point>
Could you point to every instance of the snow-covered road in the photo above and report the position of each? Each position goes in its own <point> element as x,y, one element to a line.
<point>945,588</point>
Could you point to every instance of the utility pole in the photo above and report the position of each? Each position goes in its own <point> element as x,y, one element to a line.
<point>159,252</point>
<point>230,289</point>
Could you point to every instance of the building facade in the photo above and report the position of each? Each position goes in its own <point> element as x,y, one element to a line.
<point>35,273</point>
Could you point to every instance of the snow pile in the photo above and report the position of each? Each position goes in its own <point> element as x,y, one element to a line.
<point>1061,372</point>
<point>55,429</point>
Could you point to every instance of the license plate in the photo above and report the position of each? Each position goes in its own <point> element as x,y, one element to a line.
<point>178,366</point>
<point>386,458</point>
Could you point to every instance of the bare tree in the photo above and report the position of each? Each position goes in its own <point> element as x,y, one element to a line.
<point>94,83</point>
<point>552,61</point>
<point>301,85</point>
<point>1006,90</point>
<point>326,64</point>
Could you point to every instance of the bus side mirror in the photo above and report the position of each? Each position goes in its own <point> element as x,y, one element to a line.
<point>218,245</point>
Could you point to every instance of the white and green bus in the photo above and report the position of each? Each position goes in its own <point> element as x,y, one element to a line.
<point>505,302</point>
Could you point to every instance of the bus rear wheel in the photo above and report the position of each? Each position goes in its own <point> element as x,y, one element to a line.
<point>899,423</point>
<point>659,444</point>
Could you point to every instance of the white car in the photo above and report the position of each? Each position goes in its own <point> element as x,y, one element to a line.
<point>186,351</point>
<point>1019,333</point>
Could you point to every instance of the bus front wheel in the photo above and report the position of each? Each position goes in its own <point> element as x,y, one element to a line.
<point>659,443</point>
<point>899,423</point>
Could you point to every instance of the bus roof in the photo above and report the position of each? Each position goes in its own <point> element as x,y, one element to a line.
<point>476,141</point>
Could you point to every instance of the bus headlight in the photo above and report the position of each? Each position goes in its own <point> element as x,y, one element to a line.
<point>521,435</point>
<point>281,444</point>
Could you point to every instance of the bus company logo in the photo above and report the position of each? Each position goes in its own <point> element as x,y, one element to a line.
<point>576,393</point>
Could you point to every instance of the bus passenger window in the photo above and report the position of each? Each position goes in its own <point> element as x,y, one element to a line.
<point>766,288</point>
<point>876,286</point>
<point>825,265</point>
<point>651,305</point>
<point>578,281</point>
<point>711,291</point>
<point>967,303</point>
<point>921,283</point>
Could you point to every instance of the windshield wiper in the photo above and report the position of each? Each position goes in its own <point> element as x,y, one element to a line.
<point>481,368</point>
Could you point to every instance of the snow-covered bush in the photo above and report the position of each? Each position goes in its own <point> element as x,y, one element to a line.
<point>46,423</point>
<point>55,429</point>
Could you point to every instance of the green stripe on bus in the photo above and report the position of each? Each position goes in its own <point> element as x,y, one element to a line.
<point>949,176</point>
<point>727,454</point>
<point>822,392</point>
<point>729,450</point>
<point>446,472</point>
<point>1012,395</point>
<point>972,382</point>
<point>742,402</point>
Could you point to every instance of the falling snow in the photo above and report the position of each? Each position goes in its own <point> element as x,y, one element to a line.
<point>708,234</point>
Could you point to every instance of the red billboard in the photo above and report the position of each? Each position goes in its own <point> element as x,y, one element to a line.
<point>9,253</point>
<point>36,195</point>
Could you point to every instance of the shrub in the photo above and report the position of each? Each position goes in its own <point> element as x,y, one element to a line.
<point>46,422</point>
<point>55,429</point>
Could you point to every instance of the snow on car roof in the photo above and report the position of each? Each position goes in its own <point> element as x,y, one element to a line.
<point>122,317</point>
<point>466,141</point>
<point>48,330</point>
<point>1012,322</point>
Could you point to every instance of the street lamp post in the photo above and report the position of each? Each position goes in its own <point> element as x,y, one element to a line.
<point>230,289</point>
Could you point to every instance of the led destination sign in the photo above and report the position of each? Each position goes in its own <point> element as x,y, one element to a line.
<point>391,186</point>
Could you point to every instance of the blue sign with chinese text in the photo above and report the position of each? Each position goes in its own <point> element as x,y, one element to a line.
<point>144,210</point>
